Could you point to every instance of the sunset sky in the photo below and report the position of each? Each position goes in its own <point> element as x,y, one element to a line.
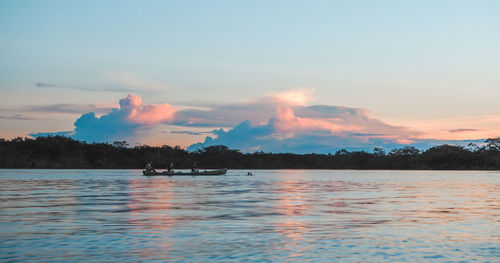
<point>281,76</point>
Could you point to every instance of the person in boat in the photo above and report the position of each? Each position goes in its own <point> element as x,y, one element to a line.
<point>194,169</point>
<point>149,167</point>
<point>170,168</point>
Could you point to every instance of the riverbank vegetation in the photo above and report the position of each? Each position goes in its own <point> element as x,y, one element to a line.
<point>64,152</point>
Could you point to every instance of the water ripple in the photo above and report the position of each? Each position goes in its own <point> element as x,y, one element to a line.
<point>320,216</point>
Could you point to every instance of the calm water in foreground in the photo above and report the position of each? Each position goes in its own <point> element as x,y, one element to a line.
<point>280,215</point>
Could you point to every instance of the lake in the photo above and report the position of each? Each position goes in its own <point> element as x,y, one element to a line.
<point>272,216</point>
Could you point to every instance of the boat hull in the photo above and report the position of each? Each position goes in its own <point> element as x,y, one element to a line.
<point>198,173</point>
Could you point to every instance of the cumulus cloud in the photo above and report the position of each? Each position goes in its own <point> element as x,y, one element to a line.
<point>225,115</point>
<point>340,128</point>
<point>284,122</point>
<point>299,97</point>
<point>267,138</point>
<point>277,122</point>
<point>121,123</point>
<point>256,111</point>
<point>146,114</point>
<point>287,122</point>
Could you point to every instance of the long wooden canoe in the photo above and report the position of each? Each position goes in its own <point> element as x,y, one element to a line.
<point>195,173</point>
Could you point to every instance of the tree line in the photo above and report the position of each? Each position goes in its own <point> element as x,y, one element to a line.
<point>64,152</point>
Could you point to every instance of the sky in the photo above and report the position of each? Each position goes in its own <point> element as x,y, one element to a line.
<point>279,76</point>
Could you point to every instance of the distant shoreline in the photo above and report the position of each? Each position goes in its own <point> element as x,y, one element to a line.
<point>59,152</point>
<point>265,169</point>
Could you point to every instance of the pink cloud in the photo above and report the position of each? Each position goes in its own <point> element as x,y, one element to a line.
<point>276,122</point>
<point>146,114</point>
<point>298,97</point>
<point>285,112</point>
<point>290,117</point>
<point>128,122</point>
<point>286,121</point>
<point>356,123</point>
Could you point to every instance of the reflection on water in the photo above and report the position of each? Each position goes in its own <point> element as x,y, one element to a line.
<point>110,215</point>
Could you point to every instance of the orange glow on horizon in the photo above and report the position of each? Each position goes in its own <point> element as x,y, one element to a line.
<point>458,128</point>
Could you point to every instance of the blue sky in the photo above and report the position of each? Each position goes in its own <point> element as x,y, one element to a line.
<point>431,66</point>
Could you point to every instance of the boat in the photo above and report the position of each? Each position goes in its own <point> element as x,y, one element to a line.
<point>190,173</point>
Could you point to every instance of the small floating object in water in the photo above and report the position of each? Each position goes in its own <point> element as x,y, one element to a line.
<point>249,174</point>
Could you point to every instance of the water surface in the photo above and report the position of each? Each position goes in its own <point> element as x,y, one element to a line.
<point>275,215</point>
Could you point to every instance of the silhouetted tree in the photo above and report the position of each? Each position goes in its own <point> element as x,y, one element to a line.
<point>120,144</point>
<point>493,144</point>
